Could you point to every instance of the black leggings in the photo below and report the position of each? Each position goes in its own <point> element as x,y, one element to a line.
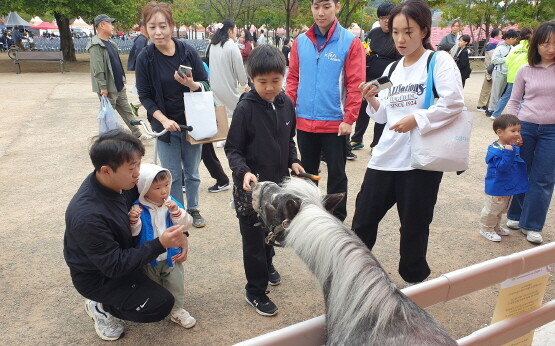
<point>415,193</point>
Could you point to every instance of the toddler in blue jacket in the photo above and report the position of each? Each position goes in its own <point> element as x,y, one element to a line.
<point>506,176</point>
<point>153,213</point>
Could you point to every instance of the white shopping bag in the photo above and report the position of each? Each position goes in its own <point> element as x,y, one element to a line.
<point>107,119</point>
<point>200,113</point>
<point>445,149</point>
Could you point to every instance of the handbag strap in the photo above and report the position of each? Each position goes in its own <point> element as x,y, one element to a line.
<point>429,97</point>
<point>394,65</point>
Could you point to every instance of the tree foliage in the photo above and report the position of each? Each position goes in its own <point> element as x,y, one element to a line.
<point>483,15</point>
<point>125,11</point>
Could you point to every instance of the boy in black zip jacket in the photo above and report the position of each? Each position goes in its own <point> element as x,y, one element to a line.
<point>260,147</point>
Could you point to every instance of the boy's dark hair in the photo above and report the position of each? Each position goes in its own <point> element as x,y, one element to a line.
<point>162,175</point>
<point>465,38</point>
<point>286,41</point>
<point>418,11</point>
<point>511,33</point>
<point>384,9</point>
<point>265,59</point>
<point>319,1</point>
<point>505,120</point>
<point>222,36</point>
<point>541,35</point>
<point>114,148</point>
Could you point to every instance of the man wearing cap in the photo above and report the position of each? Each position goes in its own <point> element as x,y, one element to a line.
<point>107,74</point>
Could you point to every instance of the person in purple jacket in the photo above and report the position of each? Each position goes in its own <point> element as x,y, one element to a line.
<point>506,176</point>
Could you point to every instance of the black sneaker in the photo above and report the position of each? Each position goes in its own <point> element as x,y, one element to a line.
<point>351,156</point>
<point>482,109</point>
<point>198,221</point>
<point>274,278</point>
<point>219,188</point>
<point>488,113</point>
<point>263,305</point>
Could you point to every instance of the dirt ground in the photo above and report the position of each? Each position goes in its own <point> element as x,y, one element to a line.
<point>48,120</point>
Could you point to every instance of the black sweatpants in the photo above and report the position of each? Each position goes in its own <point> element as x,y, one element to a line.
<point>213,164</point>
<point>134,297</point>
<point>361,124</point>
<point>257,255</point>
<point>415,193</point>
<point>334,148</point>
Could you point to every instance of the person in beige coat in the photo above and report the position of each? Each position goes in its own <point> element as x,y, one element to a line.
<point>227,72</point>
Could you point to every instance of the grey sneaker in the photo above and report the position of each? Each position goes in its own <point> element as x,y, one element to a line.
<point>198,221</point>
<point>107,327</point>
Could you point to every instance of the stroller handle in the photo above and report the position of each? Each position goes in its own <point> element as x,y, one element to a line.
<point>154,134</point>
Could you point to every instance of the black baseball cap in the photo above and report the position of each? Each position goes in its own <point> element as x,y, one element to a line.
<point>103,18</point>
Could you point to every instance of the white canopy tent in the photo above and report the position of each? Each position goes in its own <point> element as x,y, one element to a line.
<point>36,20</point>
<point>14,19</point>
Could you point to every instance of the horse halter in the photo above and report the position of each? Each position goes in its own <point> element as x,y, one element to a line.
<point>273,230</point>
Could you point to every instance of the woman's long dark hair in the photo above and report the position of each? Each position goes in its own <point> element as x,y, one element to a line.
<point>248,35</point>
<point>221,36</point>
<point>418,11</point>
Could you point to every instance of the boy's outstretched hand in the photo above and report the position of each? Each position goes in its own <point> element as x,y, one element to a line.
<point>247,180</point>
<point>297,168</point>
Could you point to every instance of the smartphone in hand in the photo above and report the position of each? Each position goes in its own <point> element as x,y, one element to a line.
<point>185,71</point>
<point>381,83</point>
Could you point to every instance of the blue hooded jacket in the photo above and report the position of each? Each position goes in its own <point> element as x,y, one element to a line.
<point>506,174</point>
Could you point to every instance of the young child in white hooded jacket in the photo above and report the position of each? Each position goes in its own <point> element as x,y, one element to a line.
<point>150,216</point>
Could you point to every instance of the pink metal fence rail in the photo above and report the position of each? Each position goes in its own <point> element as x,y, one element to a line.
<point>442,289</point>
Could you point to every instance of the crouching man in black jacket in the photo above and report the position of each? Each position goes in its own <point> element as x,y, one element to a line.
<point>98,248</point>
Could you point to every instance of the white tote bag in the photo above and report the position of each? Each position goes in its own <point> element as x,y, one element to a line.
<point>200,113</point>
<point>447,148</point>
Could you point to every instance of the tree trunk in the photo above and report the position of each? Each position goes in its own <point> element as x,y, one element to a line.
<point>66,41</point>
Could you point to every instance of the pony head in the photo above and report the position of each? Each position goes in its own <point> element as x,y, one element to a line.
<point>277,205</point>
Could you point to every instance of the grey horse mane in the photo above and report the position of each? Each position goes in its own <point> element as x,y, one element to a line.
<point>363,305</point>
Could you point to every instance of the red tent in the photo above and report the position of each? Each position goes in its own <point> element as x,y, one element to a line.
<point>45,26</point>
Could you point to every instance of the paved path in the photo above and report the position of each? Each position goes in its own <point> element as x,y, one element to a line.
<point>48,119</point>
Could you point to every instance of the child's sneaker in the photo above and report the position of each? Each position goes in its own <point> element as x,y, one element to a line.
<point>274,278</point>
<point>183,318</point>
<point>107,327</point>
<point>263,305</point>
<point>492,236</point>
<point>356,145</point>
<point>503,231</point>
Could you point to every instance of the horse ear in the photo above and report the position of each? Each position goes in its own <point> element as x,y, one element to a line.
<point>292,206</point>
<point>331,201</point>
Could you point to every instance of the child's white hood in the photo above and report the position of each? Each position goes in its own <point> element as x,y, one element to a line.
<point>148,172</point>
